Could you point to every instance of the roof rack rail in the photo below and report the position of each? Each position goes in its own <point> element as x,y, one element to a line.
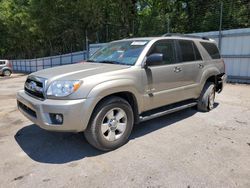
<point>184,35</point>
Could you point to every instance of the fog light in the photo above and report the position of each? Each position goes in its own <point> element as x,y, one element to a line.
<point>59,118</point>
<point>56,119</point>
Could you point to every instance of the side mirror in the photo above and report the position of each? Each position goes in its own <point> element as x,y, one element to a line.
<point>153,59</point>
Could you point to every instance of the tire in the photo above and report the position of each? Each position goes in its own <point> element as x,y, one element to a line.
<point>206,99</point>
<point>7,73</point>
<point>110,125</point>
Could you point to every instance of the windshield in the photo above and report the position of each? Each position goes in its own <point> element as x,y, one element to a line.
<point>125,52</point>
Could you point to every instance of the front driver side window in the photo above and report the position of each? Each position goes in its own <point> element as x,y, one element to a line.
<point>166,48</point>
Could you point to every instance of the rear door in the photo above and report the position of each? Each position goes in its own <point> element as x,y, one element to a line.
<point>192,65</point>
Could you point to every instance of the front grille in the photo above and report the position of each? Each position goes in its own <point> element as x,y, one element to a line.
<point>34,88</point>
<point>27,109</point>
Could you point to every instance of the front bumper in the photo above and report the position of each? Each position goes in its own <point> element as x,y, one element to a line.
<point>76,113</point>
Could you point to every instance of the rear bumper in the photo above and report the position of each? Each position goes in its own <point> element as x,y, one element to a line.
<point>76,113</point>
<point>221,82</point>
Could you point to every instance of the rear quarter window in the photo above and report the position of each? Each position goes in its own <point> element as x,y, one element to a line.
<point>211,49</point>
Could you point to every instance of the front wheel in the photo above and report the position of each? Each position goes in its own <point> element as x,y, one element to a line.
<point>206,99</point>
<point>110,125</point>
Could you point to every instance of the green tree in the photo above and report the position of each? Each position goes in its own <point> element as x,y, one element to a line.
<point>36,28</point>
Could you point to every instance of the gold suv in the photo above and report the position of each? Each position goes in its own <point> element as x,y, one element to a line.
<point>124,83</point>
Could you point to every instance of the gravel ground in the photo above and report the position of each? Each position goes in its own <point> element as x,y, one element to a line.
<point>184,149</point>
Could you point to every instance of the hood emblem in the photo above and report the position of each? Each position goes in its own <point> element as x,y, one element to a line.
<point>32,85</point>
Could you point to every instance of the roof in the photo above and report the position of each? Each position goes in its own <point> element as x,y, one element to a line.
<point>171,36</point>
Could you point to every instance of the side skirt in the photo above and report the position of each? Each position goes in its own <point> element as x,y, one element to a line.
<point>166,110</point>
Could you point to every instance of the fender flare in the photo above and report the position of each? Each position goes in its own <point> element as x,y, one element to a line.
<point>4,69</point>
<point>107,88</point>
<point>212,71</point>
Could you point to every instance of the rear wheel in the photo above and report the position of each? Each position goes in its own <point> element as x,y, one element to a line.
<point>6,73</point>
<point>206,99</point>
<point>111,124</point>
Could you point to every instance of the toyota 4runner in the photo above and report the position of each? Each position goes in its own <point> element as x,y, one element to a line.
<point>124,83</point>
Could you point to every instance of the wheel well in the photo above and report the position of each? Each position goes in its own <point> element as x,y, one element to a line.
<point>6,69</point>
<point>212,79</point>
<point>130,98</point>
<point>215,79</point>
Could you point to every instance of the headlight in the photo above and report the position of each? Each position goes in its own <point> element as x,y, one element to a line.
<point>63,88</point>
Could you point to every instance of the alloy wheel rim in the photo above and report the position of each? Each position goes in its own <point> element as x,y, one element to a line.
<point>6,73</point>
<point>114,124</point>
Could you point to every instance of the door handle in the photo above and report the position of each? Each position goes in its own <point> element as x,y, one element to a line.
<point>177,69</point>
<point>201,66</point>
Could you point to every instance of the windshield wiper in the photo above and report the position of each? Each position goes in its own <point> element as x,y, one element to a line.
<point>112,62</point>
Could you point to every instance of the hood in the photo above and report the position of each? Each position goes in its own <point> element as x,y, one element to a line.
<point>77,71</point>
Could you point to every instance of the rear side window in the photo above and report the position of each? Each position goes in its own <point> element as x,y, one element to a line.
<point>211,49</point>
<point>2,62</point>
<point>189,51</point>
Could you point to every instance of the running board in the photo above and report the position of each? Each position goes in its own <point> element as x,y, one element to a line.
<point>165,112</point>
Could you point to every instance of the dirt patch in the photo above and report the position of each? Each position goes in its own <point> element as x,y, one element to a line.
<point>241,122</point>
<point>18,178</point>
<point>6,97</point>
<point>18,122</point>
<point>2,135</point>
<point>46,180</point>
<point>14,75</point>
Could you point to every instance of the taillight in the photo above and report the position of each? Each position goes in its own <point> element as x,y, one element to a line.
<point>9,65</point>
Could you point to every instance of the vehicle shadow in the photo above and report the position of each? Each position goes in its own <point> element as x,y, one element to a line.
<point>53,147</point>
<point>58,148</point>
